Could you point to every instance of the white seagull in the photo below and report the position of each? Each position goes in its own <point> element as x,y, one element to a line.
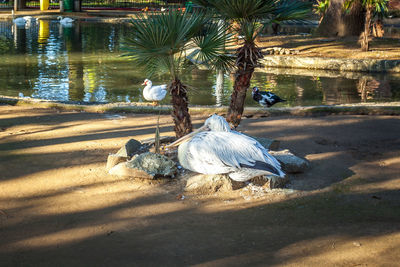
<point>154,93</point>
<point>216,149</point>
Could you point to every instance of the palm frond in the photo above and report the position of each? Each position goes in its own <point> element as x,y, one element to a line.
<point>250,29</point>
<point>158,43</point>
<point>291,10</point>
<point>249,13</point>
<point>211,45</point>
<point>240,9</point>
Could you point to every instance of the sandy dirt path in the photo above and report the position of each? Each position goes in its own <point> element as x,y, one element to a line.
<point>59,207</point>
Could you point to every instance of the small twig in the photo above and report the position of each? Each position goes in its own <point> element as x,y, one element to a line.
<point>5,214</point>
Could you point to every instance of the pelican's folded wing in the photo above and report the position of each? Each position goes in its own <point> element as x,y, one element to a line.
<point>229,151</point>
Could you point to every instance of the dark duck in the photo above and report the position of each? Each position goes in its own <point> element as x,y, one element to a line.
<point>266,99</point>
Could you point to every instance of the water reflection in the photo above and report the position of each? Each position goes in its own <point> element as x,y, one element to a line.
<point>83,63</point>
<point>372,89</point>
<point>219,87</point>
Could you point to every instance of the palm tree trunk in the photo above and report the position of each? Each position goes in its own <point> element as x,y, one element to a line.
<point>247,59</point>
<point>367,29</point>
<point>377,28</point>
<point>180,110</point>
<point>236,107</point>
<point>337,23</point>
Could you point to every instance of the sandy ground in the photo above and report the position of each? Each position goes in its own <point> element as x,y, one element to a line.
<point>59,207</point>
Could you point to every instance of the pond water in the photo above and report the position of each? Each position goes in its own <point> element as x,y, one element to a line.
<point>83,63</point>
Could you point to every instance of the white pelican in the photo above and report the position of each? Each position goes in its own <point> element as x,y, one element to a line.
<point>65,21</point>
<point>154,93</point>
<point>216,149</point>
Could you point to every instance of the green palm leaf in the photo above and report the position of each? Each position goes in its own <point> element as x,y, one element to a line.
<point>250,13</point>
<point>211,46</point>
<point>291,10</point>
<point>158,43</point>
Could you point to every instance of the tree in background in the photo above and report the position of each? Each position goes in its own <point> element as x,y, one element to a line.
<point>372,9</point>
<point>337,23</point>
<point>320,8</point>
<point>249,17</point>
<point>174,42</point>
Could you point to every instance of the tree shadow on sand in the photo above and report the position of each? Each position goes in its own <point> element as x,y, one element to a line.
<point>137,232</point>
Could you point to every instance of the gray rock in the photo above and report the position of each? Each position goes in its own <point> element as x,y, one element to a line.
<point>155,165</point>
<point>123,170</point>
<point>113,160</point>
<point>270,182</point>
<point>268,143</point>
<point>208,184</point>
<point>290,163</point>
<point>131,148</point>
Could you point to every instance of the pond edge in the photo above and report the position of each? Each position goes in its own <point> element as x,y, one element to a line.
<point>355,65</point>
<point>391,108</point>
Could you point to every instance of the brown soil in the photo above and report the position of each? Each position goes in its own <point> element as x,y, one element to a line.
<point>380,48</point>
<point>59,207</point>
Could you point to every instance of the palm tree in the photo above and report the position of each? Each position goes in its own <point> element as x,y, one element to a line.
<point>380,7</point>
<point>174,42</point>
<point>250,16</point>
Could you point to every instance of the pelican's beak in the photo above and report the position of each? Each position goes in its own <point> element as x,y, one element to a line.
<point>188,136</point>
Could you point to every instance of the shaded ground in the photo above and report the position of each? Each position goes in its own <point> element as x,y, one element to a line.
<point>58,206</point>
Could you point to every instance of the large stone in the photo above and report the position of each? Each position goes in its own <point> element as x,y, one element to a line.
<point>131,148</point>
<point>123,170</point>
<point>269,144</point>
<point>289,162</point>
<point>270,182</point>
<point>155,165</point>
<point>208,184</point>
<point>113,160</point>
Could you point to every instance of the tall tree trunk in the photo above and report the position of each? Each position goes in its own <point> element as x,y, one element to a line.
<point>242,83</point>
<point>362,89</point>
<point>336,22</point>
<point>247,59</point>
<point>377,28</point>
<point>180,110</point>
<point>367,29</point>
